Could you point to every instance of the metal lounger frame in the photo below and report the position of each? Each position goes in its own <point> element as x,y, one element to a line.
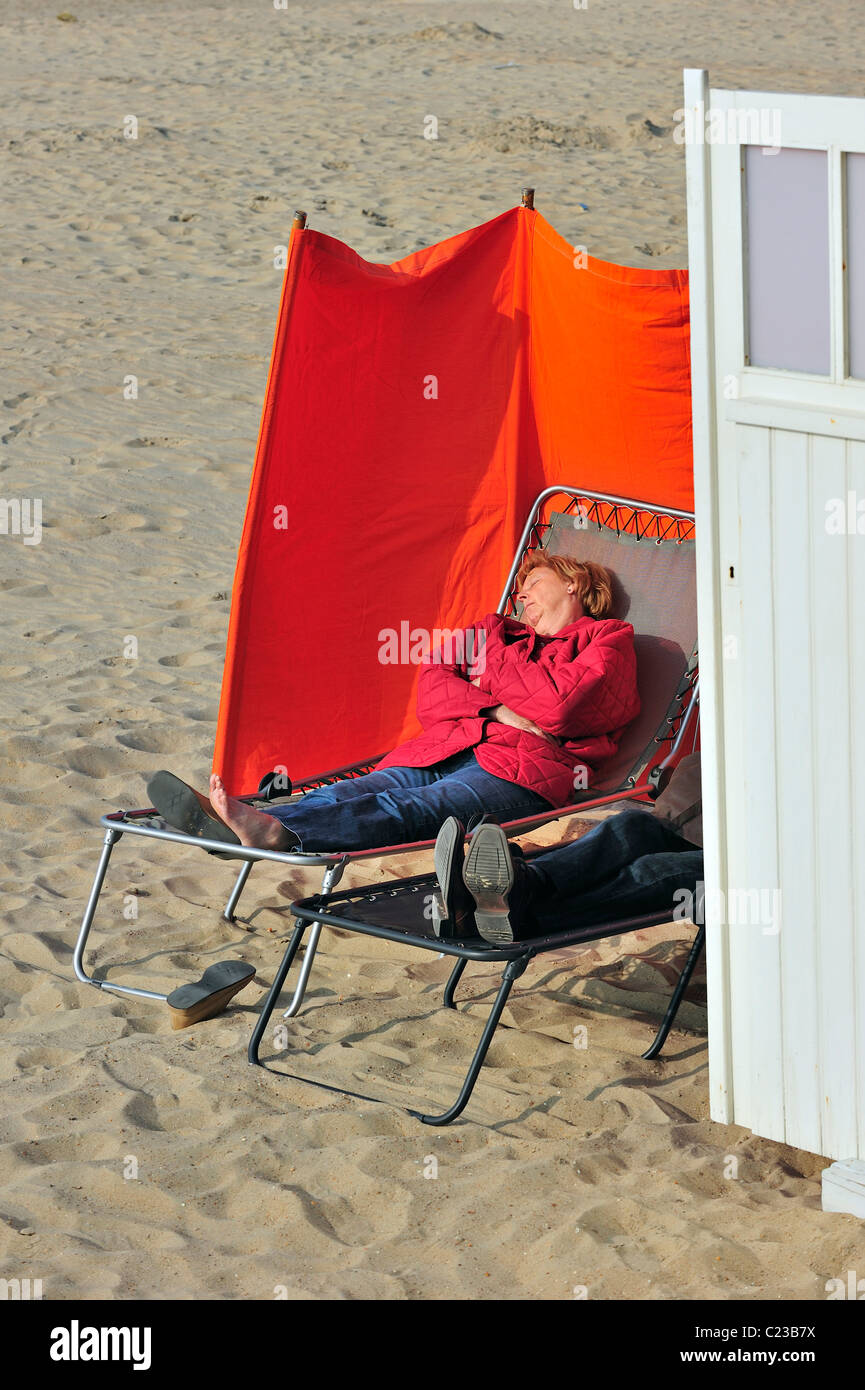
<point>621,514</point>
<point>320,911</point>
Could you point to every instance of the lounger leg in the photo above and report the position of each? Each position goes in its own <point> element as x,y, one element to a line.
<point>331,878</point>
<point>681,986</point>
<point>231,905</point>
<point>269,1004</point>
<point>455,976</point>
<point>513,970</point>
<point>111,838</point>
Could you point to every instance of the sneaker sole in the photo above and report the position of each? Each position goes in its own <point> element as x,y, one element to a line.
<point>447,842</point>
<point>489,876</point>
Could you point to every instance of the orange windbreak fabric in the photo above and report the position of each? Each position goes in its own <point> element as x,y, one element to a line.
<point>611,374</point>
<point>412,413</point>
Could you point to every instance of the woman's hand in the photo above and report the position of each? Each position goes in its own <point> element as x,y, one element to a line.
<point>518,721</point>
<point>503,715</point>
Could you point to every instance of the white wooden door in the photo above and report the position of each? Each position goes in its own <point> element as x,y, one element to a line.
<point>776,208</point>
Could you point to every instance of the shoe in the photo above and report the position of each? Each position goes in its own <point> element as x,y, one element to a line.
<point>190,1004</point>
<point>452,906</point>
<point>188,810</point>
<point>499,885</point>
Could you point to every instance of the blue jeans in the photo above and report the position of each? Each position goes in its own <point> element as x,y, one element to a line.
<point>630,864</point>
<point>402,804</point>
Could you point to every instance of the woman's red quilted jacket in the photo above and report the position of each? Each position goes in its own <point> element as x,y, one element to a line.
<point>579,685</point>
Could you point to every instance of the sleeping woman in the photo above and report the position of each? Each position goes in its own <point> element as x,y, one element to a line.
<point>553,694</point>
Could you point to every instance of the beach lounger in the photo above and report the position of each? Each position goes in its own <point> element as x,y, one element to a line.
<point>651,553</point>
<point>651,556</point>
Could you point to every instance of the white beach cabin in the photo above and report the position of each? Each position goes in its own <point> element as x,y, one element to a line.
<point>776,234</point>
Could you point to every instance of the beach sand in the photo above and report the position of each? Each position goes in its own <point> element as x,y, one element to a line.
<point>136,1161</point>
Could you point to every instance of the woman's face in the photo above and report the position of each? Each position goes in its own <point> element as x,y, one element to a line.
<point>548,606</point>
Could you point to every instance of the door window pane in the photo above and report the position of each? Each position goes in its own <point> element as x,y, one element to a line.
<point>856,262</point>
<point>787,259</point>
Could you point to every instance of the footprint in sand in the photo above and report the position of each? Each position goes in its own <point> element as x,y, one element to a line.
<point>208,715</point>
<point>96,762</point>
<point>162,441</point>
<point>30,1058</point>
<point>25,589</point>
<point>149,740</point>
<point>189,890</point>
<point>531,133</point>
<point>196,658</point>
<point>435,33</point>
<point>653,248</point>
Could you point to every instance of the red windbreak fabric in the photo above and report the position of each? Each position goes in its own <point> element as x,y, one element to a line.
<point>412,413</point>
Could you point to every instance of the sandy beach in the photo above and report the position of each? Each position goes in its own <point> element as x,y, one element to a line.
<point>141,1162</point>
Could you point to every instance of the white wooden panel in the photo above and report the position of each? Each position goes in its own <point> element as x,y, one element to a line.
<point>734,716</point>
<point>831,846</point>
<point>728,249</point>
<point>708,598</point>
<point>795,415</point>
<point>805,121</point>
<point>856,649</point>
<point>797,784</point>
<point>757,1066</point>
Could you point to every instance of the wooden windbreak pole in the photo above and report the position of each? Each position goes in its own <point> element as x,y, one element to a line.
<point>528,198</point>
<point>299,222</point>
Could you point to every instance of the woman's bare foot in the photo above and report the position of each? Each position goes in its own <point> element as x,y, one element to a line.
<point>253,828</point>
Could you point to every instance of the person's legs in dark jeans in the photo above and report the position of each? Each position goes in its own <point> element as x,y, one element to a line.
<point>401,804</point>
<point>630,864</point>
<point>653,883</point>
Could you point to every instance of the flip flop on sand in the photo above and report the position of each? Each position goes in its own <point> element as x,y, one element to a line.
<point>188,810</point>
<point>190,1004</point>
